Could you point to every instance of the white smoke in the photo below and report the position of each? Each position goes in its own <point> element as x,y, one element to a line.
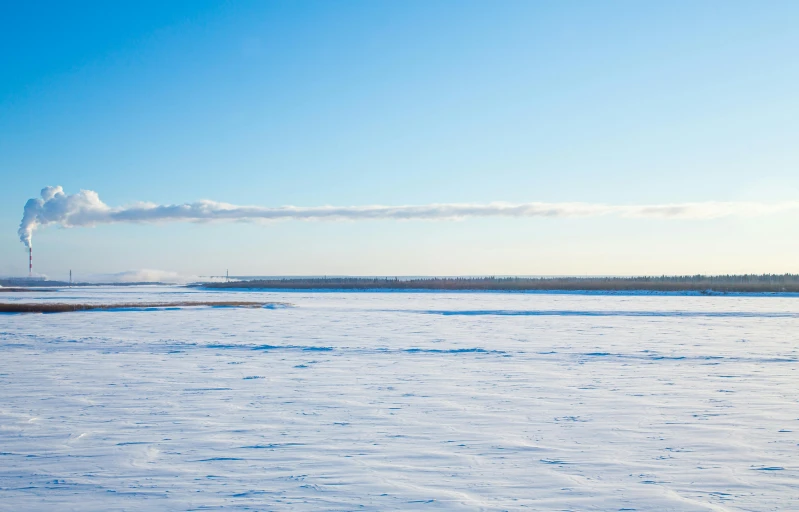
<point>141,276</point>
<point>85,208</point>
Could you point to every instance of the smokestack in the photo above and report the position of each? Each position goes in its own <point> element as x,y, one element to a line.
<point>30,261</point>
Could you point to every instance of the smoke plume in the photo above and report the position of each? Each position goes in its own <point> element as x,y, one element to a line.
<point>85,208</point>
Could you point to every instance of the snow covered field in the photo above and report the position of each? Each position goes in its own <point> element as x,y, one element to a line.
<point>401,401</point>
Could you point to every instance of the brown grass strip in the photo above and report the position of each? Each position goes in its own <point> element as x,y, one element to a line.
<point>4,289</point>
<point>65,308</point>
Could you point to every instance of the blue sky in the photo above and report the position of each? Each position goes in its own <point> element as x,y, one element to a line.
<point>357,103</point>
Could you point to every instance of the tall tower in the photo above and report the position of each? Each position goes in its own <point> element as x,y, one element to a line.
<point>30,261</point>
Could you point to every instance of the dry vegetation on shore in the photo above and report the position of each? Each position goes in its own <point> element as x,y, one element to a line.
<point>65,307</point>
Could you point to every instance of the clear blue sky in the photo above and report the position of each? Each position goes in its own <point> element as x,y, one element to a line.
<point>412,102</point>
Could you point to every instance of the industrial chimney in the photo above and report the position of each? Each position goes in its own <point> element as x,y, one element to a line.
<point>30,261</point>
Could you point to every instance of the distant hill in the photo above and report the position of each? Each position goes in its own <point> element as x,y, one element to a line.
<point>26,282</point>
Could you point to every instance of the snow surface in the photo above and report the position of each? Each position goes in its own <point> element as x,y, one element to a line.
<point>401,401</point>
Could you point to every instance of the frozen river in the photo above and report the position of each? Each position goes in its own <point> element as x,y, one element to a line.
<point>401,401</point>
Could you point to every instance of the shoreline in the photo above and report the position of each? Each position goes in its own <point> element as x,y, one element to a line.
<point>701,285</point>
<point>631,293</point>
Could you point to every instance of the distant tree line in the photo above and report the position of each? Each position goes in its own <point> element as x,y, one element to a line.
<point>699,283</point>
